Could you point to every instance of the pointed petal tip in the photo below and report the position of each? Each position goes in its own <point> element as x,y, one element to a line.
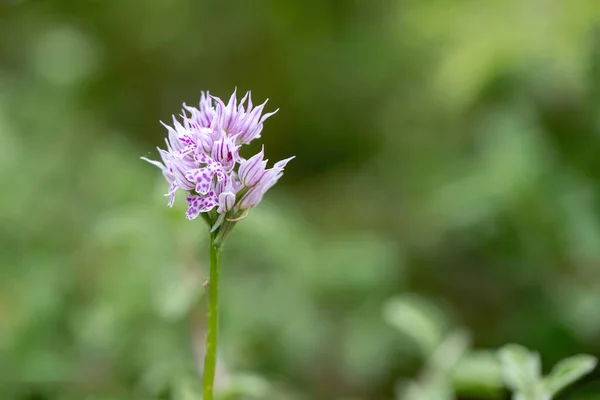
<point>267,115</point>
<point>218,100</point>
<point>234,94</point>
<point>263,104</point>
<point>281,164</point>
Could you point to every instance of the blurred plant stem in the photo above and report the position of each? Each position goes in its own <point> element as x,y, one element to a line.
<point>210,360</point>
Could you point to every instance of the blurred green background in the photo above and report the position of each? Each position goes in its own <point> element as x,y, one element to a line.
<point>447,179</point>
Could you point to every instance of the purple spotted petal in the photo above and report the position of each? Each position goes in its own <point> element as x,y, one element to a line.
<point>193,208</point>
<point>202,177</point>
<point>208,202</point>
<point>202,158</point>
<point>220,175</point>
<point>197,205</point>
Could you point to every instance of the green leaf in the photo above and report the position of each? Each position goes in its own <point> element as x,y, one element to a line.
<point>478,371</point>
<point>450,351</point>
<point>568,371</point>
<point>520,368</point>
<point>416,318</point>
<point>426,390</point>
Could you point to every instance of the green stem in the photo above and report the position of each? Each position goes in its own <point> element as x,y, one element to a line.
<point>212,331</point>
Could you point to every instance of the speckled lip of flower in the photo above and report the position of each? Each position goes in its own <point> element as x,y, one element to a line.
<point>202,159</point>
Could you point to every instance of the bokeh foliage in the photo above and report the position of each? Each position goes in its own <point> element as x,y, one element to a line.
<point>446,151</point>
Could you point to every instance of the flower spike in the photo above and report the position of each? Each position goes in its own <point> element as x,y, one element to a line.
<point>202,159</point>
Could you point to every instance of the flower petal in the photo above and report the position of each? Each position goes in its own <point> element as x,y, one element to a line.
<point>193,207</point>
<point>226,202</point>
<point>202,177</point>
<point>252,169</point>
<point>155,163</point>
<point>172,189</point>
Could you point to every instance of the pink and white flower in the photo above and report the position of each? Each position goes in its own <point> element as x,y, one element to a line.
<point>202,159</point>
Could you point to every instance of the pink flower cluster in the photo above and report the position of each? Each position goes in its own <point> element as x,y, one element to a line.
<point>202,158</point>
